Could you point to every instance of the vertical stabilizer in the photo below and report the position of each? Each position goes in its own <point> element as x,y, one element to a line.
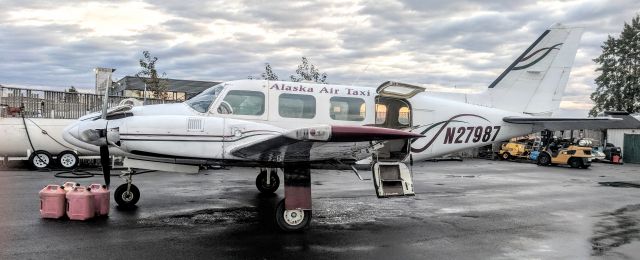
<point>534,83</point>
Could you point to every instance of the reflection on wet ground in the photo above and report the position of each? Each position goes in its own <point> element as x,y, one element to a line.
<point>470,210</point>
<point>620,184</point>
<point>615,229</point>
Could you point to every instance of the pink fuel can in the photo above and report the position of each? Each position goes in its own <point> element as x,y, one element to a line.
<point>101,195</point>
<point>80,204</point>
<point>68,186</point>
<point>52,201</point>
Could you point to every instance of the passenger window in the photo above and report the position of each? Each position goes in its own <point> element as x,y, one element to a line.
<point>381,114</point>
<point>403,116</point>
<point>243,102</point>
<point>347,108</point>
<point>297,106</point>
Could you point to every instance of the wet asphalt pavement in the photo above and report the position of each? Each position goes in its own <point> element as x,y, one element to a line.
<point>474,209</point>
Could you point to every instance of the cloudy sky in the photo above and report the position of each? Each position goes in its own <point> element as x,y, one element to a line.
<point>446,45</point>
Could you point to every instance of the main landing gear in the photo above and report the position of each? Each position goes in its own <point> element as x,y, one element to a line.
<point>293,213</point>
<point>127,195</point>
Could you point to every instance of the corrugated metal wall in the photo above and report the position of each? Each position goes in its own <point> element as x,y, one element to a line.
<point>616,136</point>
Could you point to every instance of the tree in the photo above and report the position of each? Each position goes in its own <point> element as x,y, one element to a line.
<point>149,75</point>
<point>268,73</point>
<point>308,72</point>
<point>618,85</point>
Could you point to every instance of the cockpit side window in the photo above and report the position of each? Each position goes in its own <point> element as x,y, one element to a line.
<point>203,101</point>
<point>243,102</point>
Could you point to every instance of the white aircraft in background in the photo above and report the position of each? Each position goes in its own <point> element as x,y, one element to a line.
<point>299,126</point>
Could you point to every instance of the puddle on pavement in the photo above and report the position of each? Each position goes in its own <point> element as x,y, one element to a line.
<point>615,229</point>
<point>620,184</point>
<point>207,216</point>
<point>461,176</point>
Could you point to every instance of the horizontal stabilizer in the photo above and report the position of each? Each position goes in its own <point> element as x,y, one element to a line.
<point>566,123</point>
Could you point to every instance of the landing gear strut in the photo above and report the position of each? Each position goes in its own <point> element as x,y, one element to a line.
<point>127,195</point>
<point>268,180</point>
<point>293,213</point>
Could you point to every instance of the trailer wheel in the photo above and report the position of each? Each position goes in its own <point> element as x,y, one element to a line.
<point>68,160</point>
<point>40,159</point>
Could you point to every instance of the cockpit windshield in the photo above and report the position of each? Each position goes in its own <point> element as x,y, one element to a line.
<point>203,101</point>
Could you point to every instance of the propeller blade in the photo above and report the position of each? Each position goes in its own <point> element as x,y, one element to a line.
<point>106,164</point>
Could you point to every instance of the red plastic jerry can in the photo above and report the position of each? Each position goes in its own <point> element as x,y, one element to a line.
<point>80,204</point>
<point>52,201</point>
<point>101,196</point>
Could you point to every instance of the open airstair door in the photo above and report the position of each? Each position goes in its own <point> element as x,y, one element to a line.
<point>398,90</point>
<point>392,179</point>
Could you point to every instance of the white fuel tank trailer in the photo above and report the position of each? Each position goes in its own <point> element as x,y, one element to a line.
<point>40,140</point>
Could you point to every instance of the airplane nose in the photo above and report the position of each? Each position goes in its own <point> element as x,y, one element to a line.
<point>71,134</point>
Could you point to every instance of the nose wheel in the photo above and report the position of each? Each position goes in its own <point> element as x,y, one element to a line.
<point>268,180</point>
<point>127,195</point>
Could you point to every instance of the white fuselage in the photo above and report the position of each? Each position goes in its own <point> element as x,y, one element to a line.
<point>180,131</point>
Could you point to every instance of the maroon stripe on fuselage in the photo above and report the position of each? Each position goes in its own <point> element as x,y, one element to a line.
<point>367,133</point>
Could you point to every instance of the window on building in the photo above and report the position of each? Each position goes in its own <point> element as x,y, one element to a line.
<point>347,108</point>
<point>297,106</point>
<point>243,102</point>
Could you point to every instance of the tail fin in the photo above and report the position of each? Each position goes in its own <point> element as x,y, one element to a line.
<point>534,83</point>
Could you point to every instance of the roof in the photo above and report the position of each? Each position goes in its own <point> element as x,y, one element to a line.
<point>174,85</point>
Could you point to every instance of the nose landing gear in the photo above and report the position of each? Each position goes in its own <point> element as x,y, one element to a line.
<point>268,180</point>
<point>127,195</point>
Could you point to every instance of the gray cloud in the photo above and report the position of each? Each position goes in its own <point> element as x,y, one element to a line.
<point>222,40</point>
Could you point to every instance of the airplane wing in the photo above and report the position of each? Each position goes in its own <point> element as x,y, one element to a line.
<point>318,143</point>
<point>616,120</point>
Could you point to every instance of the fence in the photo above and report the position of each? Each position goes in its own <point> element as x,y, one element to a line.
<point>55,104</point>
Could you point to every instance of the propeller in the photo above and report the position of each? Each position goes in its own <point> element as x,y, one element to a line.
<point>104,149</point>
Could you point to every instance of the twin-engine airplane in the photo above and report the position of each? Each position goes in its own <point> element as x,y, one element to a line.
<point>296,126</point>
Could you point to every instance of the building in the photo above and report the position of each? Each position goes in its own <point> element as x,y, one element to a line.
<point>177,89</point>
<point>628,140</point>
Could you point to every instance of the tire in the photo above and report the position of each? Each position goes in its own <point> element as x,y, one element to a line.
<point>124,199</point>
<point>68,160</point>
<point>261,182</point>
<point>574,163</point>
<point>290,220</point>
<point>544,159</point>
<point>40,160</point>
<point>506,156</point>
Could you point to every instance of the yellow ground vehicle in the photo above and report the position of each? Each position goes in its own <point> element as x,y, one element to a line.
<point>514,150</point>
<point>576,156</point>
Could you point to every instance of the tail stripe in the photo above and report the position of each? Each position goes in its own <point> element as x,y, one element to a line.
<point>495,82</point>
<point>548,49</point>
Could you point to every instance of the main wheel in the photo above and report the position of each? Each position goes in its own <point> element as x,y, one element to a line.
<point>126,198</point>
<point>292,220</point>
<point>68,160</point>
<point>40,159</point>
<point>544,159</point>
<point>506,156</point>
<point>575,163</point>
<point>261,182</point>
